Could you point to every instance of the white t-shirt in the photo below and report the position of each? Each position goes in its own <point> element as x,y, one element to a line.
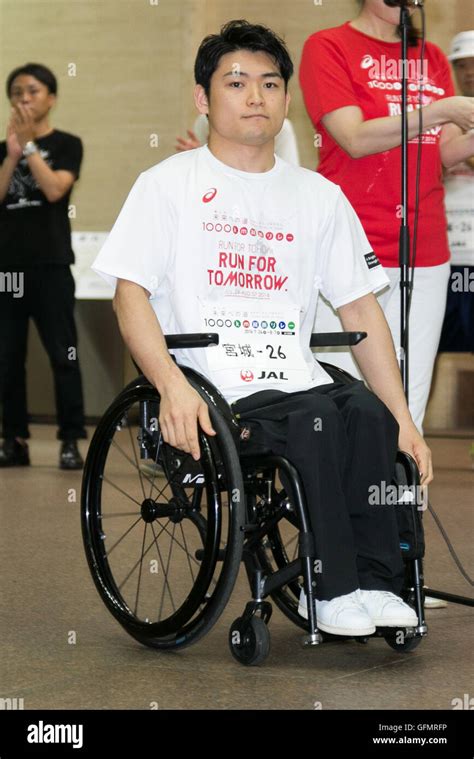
<point>459,201</point>
<point>244,255</point>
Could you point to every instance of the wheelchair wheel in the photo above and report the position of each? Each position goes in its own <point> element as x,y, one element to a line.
<point>249,641</point>
<point>163,535</point>
<point>405,645</point>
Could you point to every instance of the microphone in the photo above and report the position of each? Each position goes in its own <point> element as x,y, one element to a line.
<point>404,3</point>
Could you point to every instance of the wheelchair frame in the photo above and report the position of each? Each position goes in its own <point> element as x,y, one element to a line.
<point>253,523</point>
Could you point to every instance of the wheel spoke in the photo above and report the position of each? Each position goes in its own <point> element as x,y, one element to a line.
<point>107,553</point>
<point>140,572</point>
<point>138,562</point>
<point>165,576</point>
<point>136,461</point>
<point>109,482</point>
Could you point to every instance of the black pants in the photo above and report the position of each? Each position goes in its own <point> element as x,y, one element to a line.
<point>342,439</point>
<point>48,299</point>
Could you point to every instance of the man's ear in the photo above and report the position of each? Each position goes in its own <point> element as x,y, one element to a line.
<point>51,100</point>
<point>200,99</point>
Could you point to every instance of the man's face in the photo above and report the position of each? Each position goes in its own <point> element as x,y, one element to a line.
<point>247,102</point>
<point>464,70</point>
<point>33,95</point>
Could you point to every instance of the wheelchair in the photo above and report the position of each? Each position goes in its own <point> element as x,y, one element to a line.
<point>165,535</point>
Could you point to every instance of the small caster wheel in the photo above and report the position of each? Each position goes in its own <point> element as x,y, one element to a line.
<point>361,640</point>
<point>249,641</point>
<point>405,645</point>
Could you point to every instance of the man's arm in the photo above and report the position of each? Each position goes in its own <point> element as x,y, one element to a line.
<point>181,406</point>
<point>54,184</point>
<point>455,146</point>
<point>377,360</point>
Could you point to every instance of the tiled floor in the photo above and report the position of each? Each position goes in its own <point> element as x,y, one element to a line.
<point>62,649</point>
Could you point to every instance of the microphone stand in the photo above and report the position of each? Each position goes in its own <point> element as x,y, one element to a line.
<point>404,264</point>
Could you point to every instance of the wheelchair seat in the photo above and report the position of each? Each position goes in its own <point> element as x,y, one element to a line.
<point>165,535</point>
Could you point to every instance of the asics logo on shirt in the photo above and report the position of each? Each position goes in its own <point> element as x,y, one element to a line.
<point>209,195</point>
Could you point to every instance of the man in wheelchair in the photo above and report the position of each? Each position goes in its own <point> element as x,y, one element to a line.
<point>229,238</point>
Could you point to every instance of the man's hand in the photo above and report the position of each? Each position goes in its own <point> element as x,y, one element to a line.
<point>14,149</point>
<point>187,144</point>
<point>413,443</point>
<point>181,408</point>
<point>23,124</point>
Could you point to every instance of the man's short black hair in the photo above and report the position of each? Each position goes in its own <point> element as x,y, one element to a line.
<point>240,35</point>
<point>40,72</point>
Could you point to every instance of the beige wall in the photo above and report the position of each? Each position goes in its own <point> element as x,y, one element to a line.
<point>133,77</point>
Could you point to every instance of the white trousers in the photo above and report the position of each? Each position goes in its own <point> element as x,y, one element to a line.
<point>426,320</point>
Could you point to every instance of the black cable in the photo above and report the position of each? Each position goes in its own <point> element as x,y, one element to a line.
<point>418,162</point>
<point>448,543</point>
<point>413,262</point>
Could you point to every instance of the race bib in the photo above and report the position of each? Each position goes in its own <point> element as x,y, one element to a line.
<point>258,341</point>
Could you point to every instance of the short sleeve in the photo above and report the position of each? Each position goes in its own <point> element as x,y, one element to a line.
<point>324,77</point>
<point>69,158</point>
<point>350,268</point>
<point>139,245</point>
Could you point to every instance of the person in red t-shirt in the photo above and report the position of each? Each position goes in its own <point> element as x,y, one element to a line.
<point>350,77</point>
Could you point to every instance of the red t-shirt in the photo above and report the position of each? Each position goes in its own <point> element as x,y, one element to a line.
<point>341,67</point>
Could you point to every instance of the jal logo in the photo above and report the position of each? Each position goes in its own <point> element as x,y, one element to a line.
<point>246,375</point>
<point>273,375</point>
<point>209,195</point>
<point>366,62</point>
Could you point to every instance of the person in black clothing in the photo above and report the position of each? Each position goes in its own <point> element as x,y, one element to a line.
<point>38,167</point>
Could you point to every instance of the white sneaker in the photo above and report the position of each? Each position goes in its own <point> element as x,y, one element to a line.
<point>434,603</point>
<point>388,610</point>
<point>344,615</point>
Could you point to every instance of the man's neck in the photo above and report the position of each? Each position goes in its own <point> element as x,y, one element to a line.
<point>252,158</point>
<point>368,23</point>
<point>43,128</point>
